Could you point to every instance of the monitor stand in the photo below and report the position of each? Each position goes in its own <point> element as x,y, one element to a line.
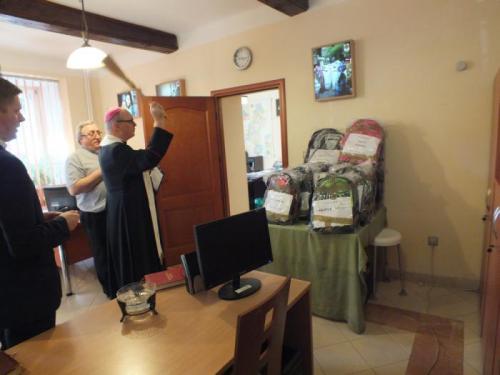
<point>239,288</point>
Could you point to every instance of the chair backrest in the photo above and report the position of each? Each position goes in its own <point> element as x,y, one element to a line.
<point>259,342</point>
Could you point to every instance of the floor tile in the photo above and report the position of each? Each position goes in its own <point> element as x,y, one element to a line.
<point>472,327</point>
<point>473,356</point>
<point>340,359</point>
<point>326,332</point>
<point>402,337</point>
<point>364,372</point>
<point>408,302</point>
<point>453,310</point>
<point>398,368</point>
<point>372,329</point>
<point>469,370</point>
<point>380,350</point>
<point>317,369</point>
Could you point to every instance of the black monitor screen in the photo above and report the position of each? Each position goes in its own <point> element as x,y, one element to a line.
<point>232,246</point>
<point>58,198</point>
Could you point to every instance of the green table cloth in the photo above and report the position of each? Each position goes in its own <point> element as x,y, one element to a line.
<point>333,263</point>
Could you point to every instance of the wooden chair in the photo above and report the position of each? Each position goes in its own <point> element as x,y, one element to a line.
<point>259,342</point>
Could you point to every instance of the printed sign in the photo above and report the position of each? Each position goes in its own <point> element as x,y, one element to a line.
<point>278,203</point>
<point>337,208</point>
<point>361,144</point>
<point>324,156</point>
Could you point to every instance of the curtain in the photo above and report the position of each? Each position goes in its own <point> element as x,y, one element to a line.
<point>41,143</point>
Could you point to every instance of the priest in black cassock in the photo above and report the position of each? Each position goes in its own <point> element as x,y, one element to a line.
<point>133,245</point>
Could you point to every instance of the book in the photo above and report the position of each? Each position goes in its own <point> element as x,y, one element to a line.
<point>8,365</point>
<point>172,276</point>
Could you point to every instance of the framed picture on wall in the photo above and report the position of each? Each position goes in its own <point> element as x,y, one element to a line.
<point>129,101</point>
<point>333,71</point>
<point>171,88</point>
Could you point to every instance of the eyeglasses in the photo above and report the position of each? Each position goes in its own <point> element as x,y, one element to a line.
<point>93,133</point>
<point>129,121</point>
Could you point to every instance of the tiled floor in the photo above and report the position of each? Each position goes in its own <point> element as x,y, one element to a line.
<point>381,350</point>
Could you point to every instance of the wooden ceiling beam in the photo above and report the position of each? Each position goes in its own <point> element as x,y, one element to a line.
<point>44,15</point>
<point>289,7</point>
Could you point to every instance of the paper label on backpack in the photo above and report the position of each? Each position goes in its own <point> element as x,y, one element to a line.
<point>278,203</point>
<point>361,144</point>
<point>335,208</point>
<point>324,156</point>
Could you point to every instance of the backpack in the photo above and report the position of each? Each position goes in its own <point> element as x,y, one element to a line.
<point>334,207</point>
<point>363,141</point>
<point>282,196</point>
<point>324,146</point>
<point>362,178</point>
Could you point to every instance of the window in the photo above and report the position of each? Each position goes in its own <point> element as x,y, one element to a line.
<point>41,143</point>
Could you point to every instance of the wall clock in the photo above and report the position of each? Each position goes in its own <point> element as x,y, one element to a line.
<point>242,58</point>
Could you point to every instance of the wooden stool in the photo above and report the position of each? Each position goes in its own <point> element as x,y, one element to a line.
<point>387,238</point>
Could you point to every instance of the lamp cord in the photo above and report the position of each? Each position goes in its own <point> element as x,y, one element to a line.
<point>85,31</point>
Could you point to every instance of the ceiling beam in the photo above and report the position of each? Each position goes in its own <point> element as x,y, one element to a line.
<point>44,15</point>
<point>289,7</point>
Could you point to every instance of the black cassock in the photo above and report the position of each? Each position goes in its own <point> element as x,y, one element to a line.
<point>131,244</point>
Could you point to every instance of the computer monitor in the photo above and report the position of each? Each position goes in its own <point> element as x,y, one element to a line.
<point>58,198</point>
<point>230,247</point>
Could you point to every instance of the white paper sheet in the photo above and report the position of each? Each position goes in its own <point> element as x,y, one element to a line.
<point>361,144</point>
<point>278,203</point>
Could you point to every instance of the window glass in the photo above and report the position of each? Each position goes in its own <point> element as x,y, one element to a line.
<point>41,141</point>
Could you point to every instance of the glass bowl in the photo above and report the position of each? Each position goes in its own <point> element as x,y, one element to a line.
<point>136,298</point>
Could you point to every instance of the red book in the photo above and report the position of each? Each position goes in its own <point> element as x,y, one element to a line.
<point>172,276</point>
<point>8,365</point>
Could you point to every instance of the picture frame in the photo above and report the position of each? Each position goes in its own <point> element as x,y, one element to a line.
<point>334,71</point>
<point>171,88</point>
<point>130,101</point>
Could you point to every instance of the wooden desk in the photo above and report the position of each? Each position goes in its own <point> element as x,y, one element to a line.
<point>73,250</point>
<point>191,335</point>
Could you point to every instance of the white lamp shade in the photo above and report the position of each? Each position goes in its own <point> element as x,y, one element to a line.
<point>86,57</point>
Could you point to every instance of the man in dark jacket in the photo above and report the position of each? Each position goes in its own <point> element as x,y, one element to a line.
<point>30,289</point>
<point>133,245</point>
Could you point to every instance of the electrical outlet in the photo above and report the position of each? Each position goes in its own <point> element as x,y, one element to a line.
<point>432,241</point>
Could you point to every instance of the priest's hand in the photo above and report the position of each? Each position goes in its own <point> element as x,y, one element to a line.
<point>72,218</point>
<point>158,114</point>
<point>47,216</point>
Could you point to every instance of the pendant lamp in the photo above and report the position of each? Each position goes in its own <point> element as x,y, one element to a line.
<point>85,57</point>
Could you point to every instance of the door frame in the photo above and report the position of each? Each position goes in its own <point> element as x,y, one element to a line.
<point>278,84</point>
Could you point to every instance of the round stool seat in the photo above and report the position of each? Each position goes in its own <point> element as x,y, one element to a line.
<point>387,237</point>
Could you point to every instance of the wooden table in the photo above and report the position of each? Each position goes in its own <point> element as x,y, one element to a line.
<point>191,335</point>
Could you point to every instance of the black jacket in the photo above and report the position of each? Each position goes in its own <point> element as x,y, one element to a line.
<point>29,280</point>
<point>131,245</point>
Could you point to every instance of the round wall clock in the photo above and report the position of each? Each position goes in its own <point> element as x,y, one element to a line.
<point>242,58</point>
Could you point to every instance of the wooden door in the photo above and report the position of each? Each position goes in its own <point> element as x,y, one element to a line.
<point>491,266</point>
<point>192,191</point>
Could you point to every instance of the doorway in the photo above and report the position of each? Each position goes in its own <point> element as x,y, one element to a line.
<point>253,122</point>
